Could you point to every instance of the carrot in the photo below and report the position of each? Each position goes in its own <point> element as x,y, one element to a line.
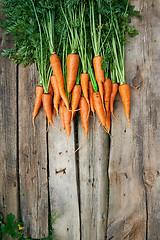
<point>56,67</point>
<point>124,91</point>
<point>84,83</point>
<point>76,94</point>
<point>57,95</point>
<point>91,91</point>
<point>50,90</point>
<point>99,73</point>
<point>107,92</point>
<point>99,108</point>
<point>54,111</point>
<point>108,124</point>
<point>47,105</point>
<point>61,104</point>
<point>38,100</point>
<point>72,70</point>
<point>114,90</point>
<point>67,115</point>
<point>84,112</point>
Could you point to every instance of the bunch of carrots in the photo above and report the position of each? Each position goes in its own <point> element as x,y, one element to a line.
<point>80,53</point>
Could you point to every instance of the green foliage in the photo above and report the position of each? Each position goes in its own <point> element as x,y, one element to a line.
<point>14,229</point>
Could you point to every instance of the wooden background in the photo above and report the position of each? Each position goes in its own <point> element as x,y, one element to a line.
<point>111,188</point>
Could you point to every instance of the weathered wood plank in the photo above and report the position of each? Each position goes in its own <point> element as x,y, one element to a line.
<point>134,169</point>
<point>93,161</point>
<point>62,185</point>
<point>8,133</point>
<point>32,158</point>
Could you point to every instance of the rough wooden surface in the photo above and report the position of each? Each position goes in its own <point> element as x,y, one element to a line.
<point>63,184</point>
<point>32,158</point>
<point>134,203</point>
<point>8,134</point>
<point>93,161</point>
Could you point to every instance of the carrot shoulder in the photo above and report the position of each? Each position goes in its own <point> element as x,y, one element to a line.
<point>56,67</point>
<point>72,70</point>
<point>38,100</point>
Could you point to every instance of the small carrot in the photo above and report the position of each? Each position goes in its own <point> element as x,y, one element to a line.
<point>84,83</point>
<point>108,121</point>
<point>91,91</point>
<point>124,91</point>
<point>47,105</point>
<point>84,112</point>
<point>107,92</point>
<point>57,95</point>
<point>56,67</point>
<point>76,94</point>
<point>67,115</point>
<point>114,90</point>
<point>38,100</point>
<point>99,73</point>
<point>72,70</point>
<point>99,108</point>
<point>61,105</point>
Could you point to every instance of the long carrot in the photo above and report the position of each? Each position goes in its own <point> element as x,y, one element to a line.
<point>38,100</point>
<point>67,115</point>
<point>47,105</point>
<point>61,104</point>
<point>57,95</point>
<point>76,94</point>
<point>108,121</point>
<point>91,91</point>
<point>124,91</point>
<point>84,112</point>
<point>84,83</point>
<point>107,92</point>
<point>112,96</point>
<point>99,108</point>
<point>72,70</point>
<point>50,90</point>
<point>99,73</point>
<point>56,67</point>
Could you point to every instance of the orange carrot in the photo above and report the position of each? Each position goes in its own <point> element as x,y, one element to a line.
<point>107,92</point>
<point>84,83</point>
<point>76,94</point>
<point>47,105</point>
<point>72,70</point>
<point>124,91</point>
<point>114,90</point>
<point>57,95</point>
<point>38,100</point>
<point>84,112</point>
<point>99,73</point>
<point>91,91</point>
<point>67,115</point>
<point>61,104</point>
<point>54,111</point>
<point>56,67</point>
<point>108,124</point>
<point>99,108</point>
<point>50,90</point>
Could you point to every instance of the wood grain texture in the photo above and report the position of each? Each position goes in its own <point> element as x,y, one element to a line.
<point>93,162</point>
<point>134,202</point>
<point>8,132</point>
<point>63,184</point>
<point>32,158</point>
